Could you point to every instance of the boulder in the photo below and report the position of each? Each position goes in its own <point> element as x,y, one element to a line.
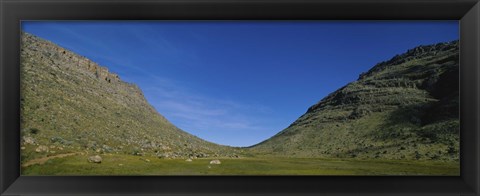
<point>28,140</point>
<point>107,148</point>
<point>95,159</point>
<point>215,162</point>
<point>189,160</point>
<point>41,148</point>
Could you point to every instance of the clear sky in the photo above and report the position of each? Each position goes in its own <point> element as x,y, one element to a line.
<point>239,82</point>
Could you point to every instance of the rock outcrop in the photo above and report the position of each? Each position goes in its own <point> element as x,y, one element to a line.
<point>56,55</point>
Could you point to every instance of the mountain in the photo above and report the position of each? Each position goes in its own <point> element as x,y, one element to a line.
<point>403,108</point>
<point>71,104</point>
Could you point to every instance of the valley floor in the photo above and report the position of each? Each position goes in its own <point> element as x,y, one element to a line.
<point>115,164</point>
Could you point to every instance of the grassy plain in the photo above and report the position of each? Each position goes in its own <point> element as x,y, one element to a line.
<point>115,164</point>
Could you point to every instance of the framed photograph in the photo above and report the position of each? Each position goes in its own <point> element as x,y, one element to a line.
<point>240,97</point>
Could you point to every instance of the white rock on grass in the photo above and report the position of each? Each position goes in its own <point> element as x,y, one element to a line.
<point>95,159</point>
<point>189,160</point>
<point>215,162</point>
<point>28,140</point>
<point>41,148</point>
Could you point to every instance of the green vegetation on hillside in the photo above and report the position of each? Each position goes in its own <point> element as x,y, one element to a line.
<point>405,109</point>
<point>70,104</point>
<point>400,117</point>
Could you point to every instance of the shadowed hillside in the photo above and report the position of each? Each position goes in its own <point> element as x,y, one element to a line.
<point>404,108</point>
<point>71,104</point>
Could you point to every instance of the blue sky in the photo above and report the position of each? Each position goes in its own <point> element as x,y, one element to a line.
<point>239,82</point>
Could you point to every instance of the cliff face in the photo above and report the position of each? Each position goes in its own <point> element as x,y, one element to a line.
<point>72,103</point>
<point>403,108</point>
<point>53,54</point>
<point>42,52</point>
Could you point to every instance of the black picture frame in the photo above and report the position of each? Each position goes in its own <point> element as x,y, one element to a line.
<point>14,11</point>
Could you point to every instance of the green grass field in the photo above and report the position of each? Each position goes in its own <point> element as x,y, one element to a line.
<point>136,165</point>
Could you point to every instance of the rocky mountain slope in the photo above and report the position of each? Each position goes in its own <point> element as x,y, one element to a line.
<point>71,104</point>
<point>404,108</point>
